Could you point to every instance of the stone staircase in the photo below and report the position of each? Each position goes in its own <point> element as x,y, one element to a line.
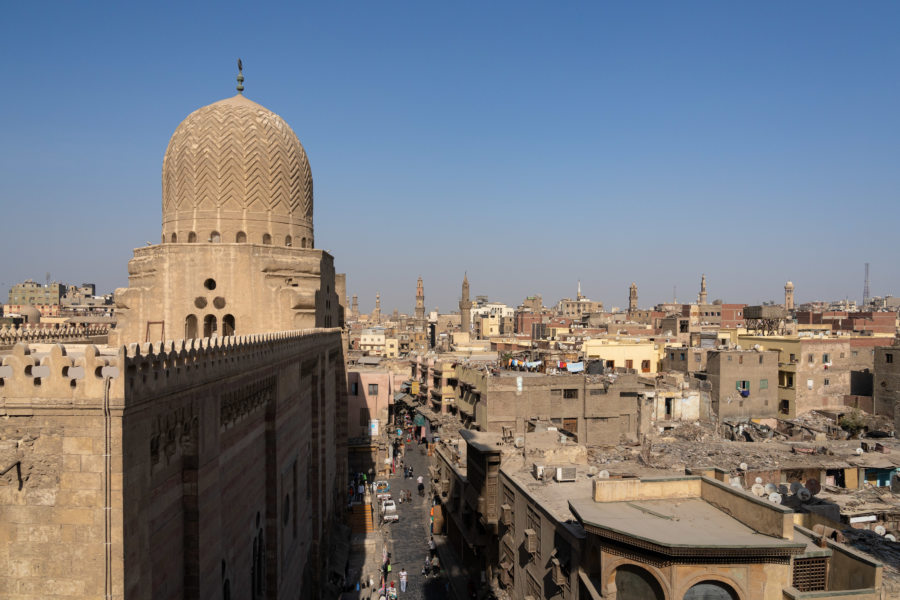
<point>360,518</point>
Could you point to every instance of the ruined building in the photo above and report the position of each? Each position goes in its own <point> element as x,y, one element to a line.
<point>210,466</point>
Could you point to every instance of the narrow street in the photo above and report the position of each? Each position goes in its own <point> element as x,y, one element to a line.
<point>407,540</point>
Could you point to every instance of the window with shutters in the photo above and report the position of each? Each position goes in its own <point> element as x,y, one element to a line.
<point>509,499</point>
<point>534,586</point>
<point>534,523</point>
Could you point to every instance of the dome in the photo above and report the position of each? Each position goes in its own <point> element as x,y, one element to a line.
<point>234,171</point>
<point>31,314</point>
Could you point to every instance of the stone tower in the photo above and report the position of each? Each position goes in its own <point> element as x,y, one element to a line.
<point>376,313</point>
<point>354,308</point>
<point>789,295</point>
<point>420,304</point>
<point>237,245</point>
<point>632,297</point>
<point>701,297</point>
<point>465,307</point>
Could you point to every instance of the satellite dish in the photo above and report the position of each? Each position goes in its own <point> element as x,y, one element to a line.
<point>890,537</point>
<point>795,486</point>
<point>803,494</point>
<point>743,466</point>
<point>813,486</point>
<point>758,489</point>
<point>604,474</point>
<point>759,480</point>
<point>880,530</point>
<point>859,451</point>
<point>782,489</point>
<point>775,498</point>
<point>771,488</point>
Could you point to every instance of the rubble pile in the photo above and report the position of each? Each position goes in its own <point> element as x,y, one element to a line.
<point>666,453</point>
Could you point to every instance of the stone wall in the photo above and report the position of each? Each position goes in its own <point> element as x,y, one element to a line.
<point>171,471</point>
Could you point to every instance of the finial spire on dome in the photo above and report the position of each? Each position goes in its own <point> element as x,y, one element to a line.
<point>240,77</point>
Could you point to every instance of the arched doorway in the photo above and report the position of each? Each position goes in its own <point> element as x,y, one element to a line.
<point>209,325</point>
<point>190,327</point>
<point>228,325</point>
<point>711,590</point>
<point>635,583</point>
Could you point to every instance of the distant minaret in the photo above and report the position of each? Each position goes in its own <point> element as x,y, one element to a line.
<point>354,308</point>
<point>632,297</point>
<point>579,296</point>
<point>420,303</point>
<point>701,297</point>
<point>789,295</point>
<point>465,306</point>
<point>376,314</point>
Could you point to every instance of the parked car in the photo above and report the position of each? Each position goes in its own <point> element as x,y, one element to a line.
<point>389,511</point>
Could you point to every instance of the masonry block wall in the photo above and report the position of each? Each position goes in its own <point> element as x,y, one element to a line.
<point>199,469</point>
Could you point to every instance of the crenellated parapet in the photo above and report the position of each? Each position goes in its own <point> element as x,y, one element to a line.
<point>152,370</point>
<point>35,333</point>
<point>48,375</point>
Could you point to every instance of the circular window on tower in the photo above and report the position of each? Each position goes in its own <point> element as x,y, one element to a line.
<point>210,284</point>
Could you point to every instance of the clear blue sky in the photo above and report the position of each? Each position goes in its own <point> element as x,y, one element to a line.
<point>530,144</point>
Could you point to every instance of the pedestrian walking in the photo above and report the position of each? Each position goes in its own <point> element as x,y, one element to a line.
<point>403,576</point>
<point>432,547</point>
<point>427,567</point>
<point>435,565</point>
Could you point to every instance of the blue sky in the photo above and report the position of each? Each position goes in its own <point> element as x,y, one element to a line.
<point>531,144</point>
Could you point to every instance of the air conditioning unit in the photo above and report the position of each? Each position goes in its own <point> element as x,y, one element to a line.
<point>538,471</point>
<point>565,473</point>
<point>556,571</point>
<point>531,541</point>
<point>506,514</point>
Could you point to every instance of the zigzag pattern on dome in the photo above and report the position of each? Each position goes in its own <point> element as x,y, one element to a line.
<point>235,155</point>
<point>150,369</point>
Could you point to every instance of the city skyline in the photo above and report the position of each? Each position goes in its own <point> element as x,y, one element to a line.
<point>529,146</point>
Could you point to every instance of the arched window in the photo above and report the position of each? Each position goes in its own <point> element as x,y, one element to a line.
<point>190,327</point>
<point>287,240</point>
<point>303,242</point>
<point>228,325</point>
<point>309,243</point>
<point>711,590</point>
<point>174,238</point>
<point>635,583</point>
<point>192,237</point>
<point>267,239</point>
<point>241,237</point>
<point>210,325</point>
<point>214,237</point>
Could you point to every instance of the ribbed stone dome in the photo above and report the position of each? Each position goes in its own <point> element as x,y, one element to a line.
<point>234,171</point>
